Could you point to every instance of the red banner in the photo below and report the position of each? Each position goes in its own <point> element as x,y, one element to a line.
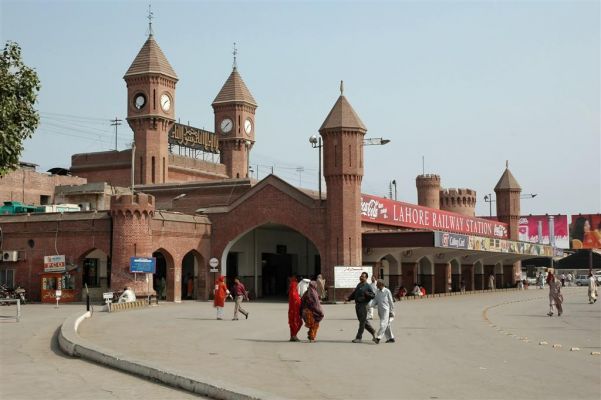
<point>528,229</point>
<point>585,231</point>
<point>389,212</point>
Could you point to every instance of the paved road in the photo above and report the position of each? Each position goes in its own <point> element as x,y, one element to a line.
<point>458,347</point>
<point>33,367</point>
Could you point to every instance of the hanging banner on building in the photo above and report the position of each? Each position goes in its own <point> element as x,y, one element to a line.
<point>145,265</point>
<point>389,212</point>
<point>347,277</point>
<point>585,231</point>
<point>478,243</point>
<point>54,263</point>
<point>194,138</point>
<point>528,229</point>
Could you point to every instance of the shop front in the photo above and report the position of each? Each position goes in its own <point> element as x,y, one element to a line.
<point>57,282</point>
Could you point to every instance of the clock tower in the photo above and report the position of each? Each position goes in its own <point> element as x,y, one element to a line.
<point>234,109</point>
<point>150,111</point>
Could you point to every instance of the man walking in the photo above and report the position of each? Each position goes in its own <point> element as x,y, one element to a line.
<point>240,294</point>
<point>385,304</point>
<point>362,296</point>
<point>370,305</point>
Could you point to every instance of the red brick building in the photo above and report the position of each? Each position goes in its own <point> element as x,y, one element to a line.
<point>186,210</point>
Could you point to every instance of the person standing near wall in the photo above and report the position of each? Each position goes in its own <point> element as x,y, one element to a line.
<point>491,281</point>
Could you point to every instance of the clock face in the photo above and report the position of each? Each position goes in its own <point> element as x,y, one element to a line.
<point>226,125</point>
<point>248,126</point>
<point>165,102</point>
<point>139,101</point>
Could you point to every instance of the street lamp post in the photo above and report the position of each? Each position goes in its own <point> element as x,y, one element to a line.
<point>394,184</point>
<point>316,143</point>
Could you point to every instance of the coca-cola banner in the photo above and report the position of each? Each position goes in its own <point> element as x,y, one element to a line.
<point>389,212</point>
<point>528,229</point>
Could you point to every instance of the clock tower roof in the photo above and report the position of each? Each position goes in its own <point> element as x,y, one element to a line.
<point>234,90</point>
<point>342,115</point>
<point>150,59</point>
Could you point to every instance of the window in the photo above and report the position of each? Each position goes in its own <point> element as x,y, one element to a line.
<point>44,200</point>
<point>7,277</point>
<point>90,272</point>
<point>68,282</point>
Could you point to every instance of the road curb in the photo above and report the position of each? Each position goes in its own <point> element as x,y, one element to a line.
<point>72,344</point>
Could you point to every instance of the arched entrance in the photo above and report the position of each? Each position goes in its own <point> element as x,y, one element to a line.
<point>455,275</point>
<point>265,256</point>
<point>191,281</point>
<point>159,281</point>
<point>425,274</point>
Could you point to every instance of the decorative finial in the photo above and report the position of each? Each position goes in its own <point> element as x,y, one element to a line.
<point>235,52</point>
<point>507,164</point>
<point>150,16</point>
<point>341,88</point>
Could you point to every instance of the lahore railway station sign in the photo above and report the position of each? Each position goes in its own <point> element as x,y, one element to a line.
<point>389,212</point>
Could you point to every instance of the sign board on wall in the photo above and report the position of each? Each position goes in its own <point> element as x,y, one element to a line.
<point>54,263</point>
<point>585,231</point>
<point>146,265</point>
<point>528,229</point>
<point>478,243</point>
<point>389,212</point>
<point>347,277</point>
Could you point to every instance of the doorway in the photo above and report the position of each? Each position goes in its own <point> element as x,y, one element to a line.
<point>159,278</point>
<point>276,268</point>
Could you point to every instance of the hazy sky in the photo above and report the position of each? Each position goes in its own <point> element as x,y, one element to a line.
<point>467,85</point>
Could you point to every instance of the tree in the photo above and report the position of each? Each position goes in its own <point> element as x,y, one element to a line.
<point>19,86</point>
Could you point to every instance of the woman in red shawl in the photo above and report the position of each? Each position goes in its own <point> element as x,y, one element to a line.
<point>311,310</point>
<point>221,293</point>
<point>294,315</point>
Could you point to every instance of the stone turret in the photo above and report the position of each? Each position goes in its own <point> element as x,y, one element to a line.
<point>428,190</point>
<point>461,201</point>
<point>508,192</point>
<point>132,236</point>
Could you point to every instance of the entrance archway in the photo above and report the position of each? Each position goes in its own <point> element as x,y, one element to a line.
<point>266,256</point>
<point>159,278</point>
<point>425,274</point>
<point>455,275</point>
<point>190,275</point>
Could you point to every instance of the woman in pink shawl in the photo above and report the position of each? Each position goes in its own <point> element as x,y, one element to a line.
<point>555,296</point>
<point>294,314</point>
<point>311,311</point>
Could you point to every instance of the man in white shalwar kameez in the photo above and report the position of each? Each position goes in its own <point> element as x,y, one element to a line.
<point>385,304</point>
<point>371,305</point>
<point>592,289</point>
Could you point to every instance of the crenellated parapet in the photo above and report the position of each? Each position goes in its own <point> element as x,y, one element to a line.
<point>428,190</point>
<point>139,203</point>
<point>461,201</point>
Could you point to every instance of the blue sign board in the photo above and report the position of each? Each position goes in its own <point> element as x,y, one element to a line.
<point>145,265</point>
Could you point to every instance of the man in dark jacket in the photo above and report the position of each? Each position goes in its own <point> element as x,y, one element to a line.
<point>362,295</point>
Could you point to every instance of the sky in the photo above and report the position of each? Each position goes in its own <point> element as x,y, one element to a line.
<point>463,86</point>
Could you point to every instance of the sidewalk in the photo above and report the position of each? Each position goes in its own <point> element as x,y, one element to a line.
<point>445,348</point>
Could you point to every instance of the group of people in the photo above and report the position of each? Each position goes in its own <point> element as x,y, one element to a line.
<point>238,294</point>
<point>304,306</point>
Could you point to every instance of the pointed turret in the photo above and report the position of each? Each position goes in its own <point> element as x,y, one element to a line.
<point>342,115</point>
<point>508,192</point>
<point>150,59</point>
<point>234,90</point>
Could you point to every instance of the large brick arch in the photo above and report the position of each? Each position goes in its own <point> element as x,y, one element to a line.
<point>269,204</point>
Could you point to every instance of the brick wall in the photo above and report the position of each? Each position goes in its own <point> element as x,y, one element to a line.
<point>27,185</point>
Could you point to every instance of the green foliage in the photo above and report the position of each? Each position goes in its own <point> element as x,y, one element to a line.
<point>19,86</point>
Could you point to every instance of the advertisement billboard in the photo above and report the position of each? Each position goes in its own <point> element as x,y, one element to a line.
<point>528,229</point>
<point>389,212</point>
<point>585,231</point>
<point>54,263</point>
<point>456,241</point>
